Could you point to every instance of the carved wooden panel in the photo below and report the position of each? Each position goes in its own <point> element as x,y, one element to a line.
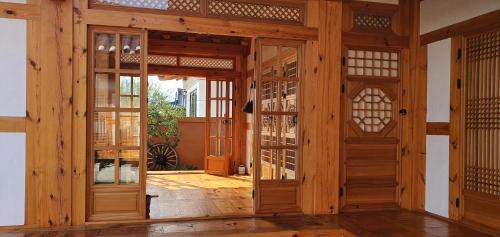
<point>215,63</point>
<point>371,21</point>
<point>372,110</point>
<point>164,60</point>
<point>373,63</point>
<point>190,6</point>
<point>252,10</point>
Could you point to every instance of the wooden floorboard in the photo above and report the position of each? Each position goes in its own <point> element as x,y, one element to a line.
<point>369,224</point>
<point>199,195</point>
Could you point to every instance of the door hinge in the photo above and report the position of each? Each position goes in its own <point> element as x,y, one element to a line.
<point>459,83</point>
<point>255,56</point>
<point>403,112</point>
<point>342,88</point>
<point>457,202</point>
<point>343,61</point>
<point>459,54</point>
<point>253,194</point>
<point>341,192</point>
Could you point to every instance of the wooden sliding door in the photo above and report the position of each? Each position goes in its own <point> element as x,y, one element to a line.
<point>371,130</point>
<point>219,126</point>
<point>481,159</point>
<point>116,124</point>
<point>279,72</point>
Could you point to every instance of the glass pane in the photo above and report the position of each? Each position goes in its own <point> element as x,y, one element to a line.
<point>230,109</point>
<point>223,88</point>
<point>104,90</point>
<point>268,130</point>
<point>104,129</point>
<point>213,89</point>
<point>130,127</point>
<point>289,62</point>
<point>288,130</point>
<point>231,90</point>
<point>269,95</point>
<point>104,167</point>
<point>222,146</point>
<point>130,87</point>
<point>289,96</point>
<point>213,127</point>
<point>270,62</point>
<point>290,165</point>
<point>130,51</point>
<point>129,166</point>
<point>213,146</point>
<point>213,108</point>
<point>105,50</point>
<point>268,164</point>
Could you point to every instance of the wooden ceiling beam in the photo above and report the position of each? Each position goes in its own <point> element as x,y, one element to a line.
<point>161,47</point>
<point>194,72</point>
<point>198,25</point>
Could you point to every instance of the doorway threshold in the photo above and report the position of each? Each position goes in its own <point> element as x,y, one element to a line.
<point>176,172</point>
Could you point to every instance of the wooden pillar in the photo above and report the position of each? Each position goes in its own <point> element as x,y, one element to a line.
<point>48,189</point>
<point>321,109</point>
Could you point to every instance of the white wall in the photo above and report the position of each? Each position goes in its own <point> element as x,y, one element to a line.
<point>13,67</point>
<point>13,96</point>
<point>436,14</point>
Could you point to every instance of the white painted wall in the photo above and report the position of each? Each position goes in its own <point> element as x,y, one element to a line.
<point>12,178</point>
<point>436,14</point>
<point>13,67</point>
<point>13,97</point>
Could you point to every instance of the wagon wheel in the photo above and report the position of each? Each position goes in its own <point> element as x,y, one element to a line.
<point>162,157</point>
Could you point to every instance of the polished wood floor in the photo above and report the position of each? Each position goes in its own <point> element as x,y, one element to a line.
<point>370,224</point>
<point>199,195</point>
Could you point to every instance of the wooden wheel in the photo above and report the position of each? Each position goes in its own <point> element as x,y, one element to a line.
<point>162,157</point>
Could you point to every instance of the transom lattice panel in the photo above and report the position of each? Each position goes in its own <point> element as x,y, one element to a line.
<point>216,63</point>
<point>482,113</point>
<point>164,60</point>
<point>191,6</point>
<point>373,63</point>
<point>256,11</point>
<point>372,22</point>
<point>371,110</point>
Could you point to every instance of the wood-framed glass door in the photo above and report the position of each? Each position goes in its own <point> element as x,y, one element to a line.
<point>219,126</point>
<point>116,124</point>
<point>371,128</point>
<point>277,116</point>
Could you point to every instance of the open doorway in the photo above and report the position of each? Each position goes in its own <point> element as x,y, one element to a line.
<point>196,164</point>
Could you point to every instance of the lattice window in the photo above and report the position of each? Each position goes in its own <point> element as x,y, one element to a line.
<point>482,113</point>
<point>214,63</point>
<point>163,60</point>
<point>191,6</point>
<point>256,11</point>
<point>372,63</point>
<point>372,110</point>
<point>374,22</point>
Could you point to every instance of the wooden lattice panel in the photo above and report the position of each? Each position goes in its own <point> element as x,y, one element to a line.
<point>163,60</point>
<point>189,6</point>
<point>371,110</point>
<point>373,63</point>
<point>482,113</point>
<point>256,11</point>
<point>372,22</point>
<point>213,63</point>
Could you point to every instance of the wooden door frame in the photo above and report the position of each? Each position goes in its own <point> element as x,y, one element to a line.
<point>143,119</point>
<point>346,45</point>
<point>208,112</point>
<point>284,184</point>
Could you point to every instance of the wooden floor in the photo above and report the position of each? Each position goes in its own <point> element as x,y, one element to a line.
<point>371,224</point>
<point>199,195</point>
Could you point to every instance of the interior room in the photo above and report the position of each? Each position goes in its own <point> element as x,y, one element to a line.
<point>250,118</point>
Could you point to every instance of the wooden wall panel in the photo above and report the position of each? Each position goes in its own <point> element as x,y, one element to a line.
<point>49,117</point>
<point>321,106</point>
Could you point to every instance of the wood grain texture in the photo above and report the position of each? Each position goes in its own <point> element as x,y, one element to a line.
<point>19,11</point>
<point>49,115</point>
<point>456,133</point>
<point>193,24</point>
<point>12,124</point>
<point>477,24</point>
<point>370,224</point>
<point>438,128</point>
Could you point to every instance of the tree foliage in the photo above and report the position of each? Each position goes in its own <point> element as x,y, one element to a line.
<point>163,116</point>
